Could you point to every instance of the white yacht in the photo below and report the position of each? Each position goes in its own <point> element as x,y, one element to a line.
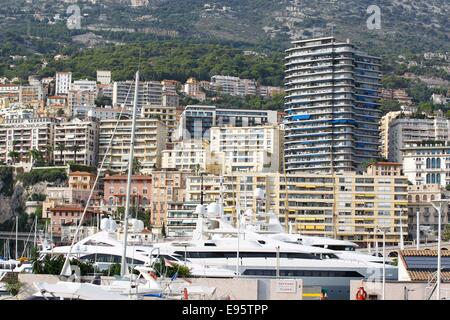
<point>14,266</point>
<point>342,248</point>
<point>104,249</point>
<point>217,243</point>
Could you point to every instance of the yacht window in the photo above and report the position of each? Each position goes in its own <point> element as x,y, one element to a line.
<point>233,254</point>
<point>97,243</point>
<point>210,244</point>
<point>303,273</point>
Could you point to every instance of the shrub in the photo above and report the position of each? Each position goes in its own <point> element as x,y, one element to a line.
<point>13,285</point>
<point>162,269</point>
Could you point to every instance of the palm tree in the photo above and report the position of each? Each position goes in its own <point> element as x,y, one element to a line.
<point>61,148</point>
<point>75,148</point>
<point>36,156</point>
<point>48,154</point>
<point>14,155</point>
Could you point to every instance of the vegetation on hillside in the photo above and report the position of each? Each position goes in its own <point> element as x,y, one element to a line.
<point>41,175</point>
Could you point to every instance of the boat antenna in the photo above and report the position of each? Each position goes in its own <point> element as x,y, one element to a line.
<point>123,268</point>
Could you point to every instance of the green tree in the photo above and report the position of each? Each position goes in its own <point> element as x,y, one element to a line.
<point>425,107</point>
<point>75,148</point>
<point>136,169</point>
<point>103,101</point>
<point>446,233</point>
<point>15,156</point>
<point>48,154</point>
<point>36,157</point>
<point>61,148</point>
<point>7,181</point>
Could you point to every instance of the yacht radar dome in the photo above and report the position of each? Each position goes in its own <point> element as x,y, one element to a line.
<point>213,209</point>
<point>108,224</point>
<point>200,209</point>
<point>259,194</point>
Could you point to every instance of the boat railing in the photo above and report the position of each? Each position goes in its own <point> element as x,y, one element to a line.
<point>156,249</point>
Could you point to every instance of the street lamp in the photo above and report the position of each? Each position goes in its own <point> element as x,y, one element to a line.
<point>418,230</point>
<point>437,204</point>
<point>384,259</point>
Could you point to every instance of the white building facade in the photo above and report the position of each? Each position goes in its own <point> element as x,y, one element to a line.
<point>80,133</point>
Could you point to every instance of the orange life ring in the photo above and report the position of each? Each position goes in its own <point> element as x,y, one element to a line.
<point>361,294</point>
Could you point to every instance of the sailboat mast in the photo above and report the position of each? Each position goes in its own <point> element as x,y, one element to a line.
<point>123,270</point>
<point>17,235</point>
<point>35,231</point>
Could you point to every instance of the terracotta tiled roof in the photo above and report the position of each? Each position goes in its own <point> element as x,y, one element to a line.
<point>425,275</point>
<point>68,208</point>
<point>81,173</point>
<point>124,177</point>
<point>424,253</point>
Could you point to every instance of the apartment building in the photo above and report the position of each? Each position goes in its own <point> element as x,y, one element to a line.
<point>115,190</point>
<point>170,99</point>
<point>250,149</point>
<point>332,106</point>
<point>82,112</point>
<point>168,186</point>
<point>69,215</point>
<point>75,192</point>
<point>78,98</point>
<point>196,120</point>
<point>150,141</point>
<point>193,89</point>
<point>56,106</point>
<point>15,113</point>
<point>385,124</point>
<point>80,141</point>
<point>420,198</point>
<point>63,83</point>
<point>165,114</point>
<point>406,130</point>
<point>31,96</point>
<point>269,91</point>
<point>181,220</point>
<point>348,207</point>
<point>170,86</point>
<point>188,155</point>
<point>150,92</point>
<point>84,85</point>
<point>427,162</point>
<point>360,203</point>
<point>385,169</point>
<point>103,77</point>
<point>24,135</point>
<point>233,85</point>
<point>9,93</point>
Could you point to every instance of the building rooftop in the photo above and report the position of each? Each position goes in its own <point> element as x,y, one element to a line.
<point>81,173</point>
<point>421,265</point>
